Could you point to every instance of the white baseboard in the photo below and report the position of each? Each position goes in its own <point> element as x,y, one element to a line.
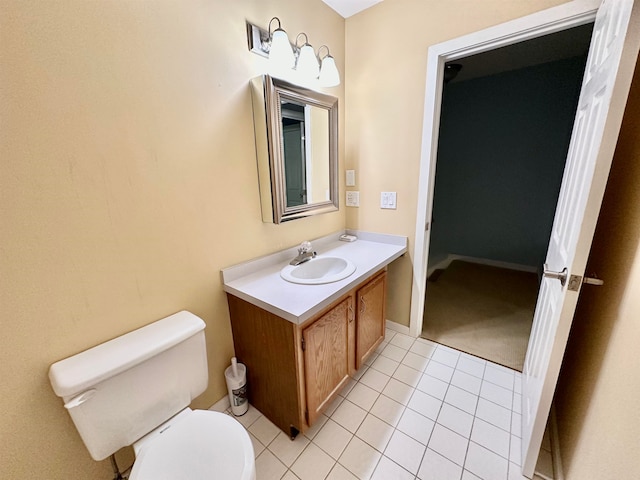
<point>396,327</point>
<point>482,261</point>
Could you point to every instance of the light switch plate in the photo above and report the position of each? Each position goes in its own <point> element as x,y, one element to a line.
<point>353,199</point>
<point>351,178</point>
<point>388,200</point>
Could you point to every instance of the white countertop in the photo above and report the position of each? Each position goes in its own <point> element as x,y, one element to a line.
<point>259,283</point>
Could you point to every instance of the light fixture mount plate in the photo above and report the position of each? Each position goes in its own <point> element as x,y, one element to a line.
<point>258,39</point>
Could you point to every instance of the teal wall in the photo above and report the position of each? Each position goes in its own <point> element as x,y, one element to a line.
<point>502,146</point>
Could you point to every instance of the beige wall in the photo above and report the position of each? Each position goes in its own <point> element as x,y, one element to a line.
<point>126,134</point>
<point>598,394</point>
<point>386,61</point>
<point>128,180</point>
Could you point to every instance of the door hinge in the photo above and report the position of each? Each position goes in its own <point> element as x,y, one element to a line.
<point>426,226</point>
<point>303,344</point>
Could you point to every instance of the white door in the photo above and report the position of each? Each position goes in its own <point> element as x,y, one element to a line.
<point>610,64</point>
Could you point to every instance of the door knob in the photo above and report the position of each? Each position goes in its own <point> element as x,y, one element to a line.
<point>562,276</point>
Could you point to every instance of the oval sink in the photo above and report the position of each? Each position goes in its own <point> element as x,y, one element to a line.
<point>318,270</point>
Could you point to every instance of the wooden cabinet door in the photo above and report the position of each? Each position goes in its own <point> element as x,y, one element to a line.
<point>370,321</point>
<point>326,357</point>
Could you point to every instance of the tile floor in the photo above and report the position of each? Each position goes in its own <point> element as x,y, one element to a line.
<point>417,410</point>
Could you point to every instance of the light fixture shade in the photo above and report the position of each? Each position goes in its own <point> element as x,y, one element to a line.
<point>281,55</point>
<point>307,65</point>
<point>329,75</point>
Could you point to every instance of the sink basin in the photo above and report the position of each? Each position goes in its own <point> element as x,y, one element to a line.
<point>318,270</point>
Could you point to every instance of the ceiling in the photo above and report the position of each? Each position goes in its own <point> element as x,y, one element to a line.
<point>346,8</point>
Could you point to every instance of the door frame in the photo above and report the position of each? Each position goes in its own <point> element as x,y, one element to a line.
<point>552,20</point>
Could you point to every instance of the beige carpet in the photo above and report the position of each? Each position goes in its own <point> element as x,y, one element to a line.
<point>482,310</point>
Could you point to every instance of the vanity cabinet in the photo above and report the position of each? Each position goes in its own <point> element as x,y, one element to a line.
<point>371,309</point>
<point>327,355</point>
<point>294,371</point>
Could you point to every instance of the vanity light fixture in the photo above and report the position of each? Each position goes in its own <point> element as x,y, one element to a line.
<point>280,53</point>
<point>307,63</point>
<point>329,75</point>
<point>292,62</point>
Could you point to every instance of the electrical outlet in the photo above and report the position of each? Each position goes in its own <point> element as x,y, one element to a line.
<point>353,199</point>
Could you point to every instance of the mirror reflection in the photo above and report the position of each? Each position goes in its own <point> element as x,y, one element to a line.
<point>296,141</point>
<point>305,140</point>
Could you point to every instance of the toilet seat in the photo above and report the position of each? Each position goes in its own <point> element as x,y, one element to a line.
<point>204,445</point>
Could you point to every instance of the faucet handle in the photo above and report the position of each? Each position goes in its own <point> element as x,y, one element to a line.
<point>304,247</point>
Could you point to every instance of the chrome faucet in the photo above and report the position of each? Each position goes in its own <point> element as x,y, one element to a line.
<point>305,253</point>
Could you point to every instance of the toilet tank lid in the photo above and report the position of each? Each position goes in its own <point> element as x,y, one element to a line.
<point>80,372</point>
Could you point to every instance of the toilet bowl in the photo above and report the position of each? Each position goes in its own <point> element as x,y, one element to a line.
<point>196,445</point>
<point>136,390</point>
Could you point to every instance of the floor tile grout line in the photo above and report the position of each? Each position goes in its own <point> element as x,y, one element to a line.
<point>335,461</point>
<point>490,422</point>
<point>513,402</point>
<point>495,403</point>
<point>429,440</point>
<point>460,410</point>
<point>384,373</point>
<point>488,449</point>
<point>443,456</point>
<point>345,467</point>
<point>466,453</point>
<point>323,450</point>
<point>498,385</point>
<point>404,407</point>
<point>391,460</point>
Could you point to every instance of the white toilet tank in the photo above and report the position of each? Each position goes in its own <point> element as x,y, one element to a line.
<point>118,391</point>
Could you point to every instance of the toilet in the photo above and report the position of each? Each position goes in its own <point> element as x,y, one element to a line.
<point>136,390</point>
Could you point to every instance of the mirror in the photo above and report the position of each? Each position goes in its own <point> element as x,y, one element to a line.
<point>297,149</point>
